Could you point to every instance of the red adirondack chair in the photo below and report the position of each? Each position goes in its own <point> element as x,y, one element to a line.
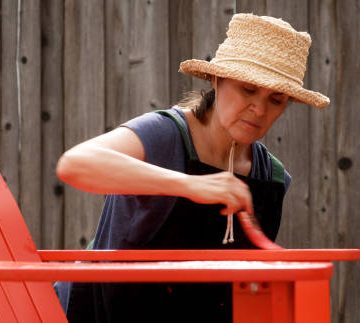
<point>263,290</point>
<point>22,301</point>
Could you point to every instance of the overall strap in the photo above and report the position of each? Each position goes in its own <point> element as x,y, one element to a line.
<point>182,126</point>
<point>277,169</point>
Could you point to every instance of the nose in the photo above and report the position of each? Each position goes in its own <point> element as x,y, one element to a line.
<point>258,106</point>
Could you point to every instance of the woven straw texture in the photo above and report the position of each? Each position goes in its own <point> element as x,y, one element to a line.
<point>264,51</point>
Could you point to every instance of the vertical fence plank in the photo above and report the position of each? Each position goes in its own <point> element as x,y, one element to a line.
<point>286,139</point>
<point>52,22</point>
<point>210,22</point>
<point>9,140</point>
<point>117,31</point>
<point>323,154</point>
<point>322,77</point>
<point>348,154</point>
<point>141,73</point>
<point>180,17</point>
<point>257,7</point>
<point>30,132</point>
<point>148,56</point>
<point>196,29</point>
<point>84,106</point>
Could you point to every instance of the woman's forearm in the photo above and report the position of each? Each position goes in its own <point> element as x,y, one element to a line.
<point>106,171</point>
<point>102,170</point>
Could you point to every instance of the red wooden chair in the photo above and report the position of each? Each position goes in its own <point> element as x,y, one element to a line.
<point>268,286</point>
<point>22,301</point>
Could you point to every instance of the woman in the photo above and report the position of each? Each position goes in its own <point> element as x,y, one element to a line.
<point>170,175</point>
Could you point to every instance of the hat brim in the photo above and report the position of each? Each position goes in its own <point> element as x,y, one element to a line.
<point>257,75</point>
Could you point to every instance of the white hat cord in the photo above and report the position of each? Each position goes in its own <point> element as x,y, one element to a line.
<point>229,233</point>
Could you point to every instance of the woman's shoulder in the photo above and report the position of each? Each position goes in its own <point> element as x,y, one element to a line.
<point>160,137</point>
<point>266,166</point>
<point>155,120</point>
<point>153,124</point>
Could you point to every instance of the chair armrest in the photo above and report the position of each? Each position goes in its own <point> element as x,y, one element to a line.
<point>182,255</point>
<point>175,271</point>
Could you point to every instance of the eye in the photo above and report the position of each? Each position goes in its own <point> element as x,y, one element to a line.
<point>276,101</point>
<point>248,89</point>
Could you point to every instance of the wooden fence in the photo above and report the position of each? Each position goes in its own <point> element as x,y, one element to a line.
<point>74,69</point>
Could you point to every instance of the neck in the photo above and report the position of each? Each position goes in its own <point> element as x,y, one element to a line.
<point>213,144</point>
<point>220,141</point>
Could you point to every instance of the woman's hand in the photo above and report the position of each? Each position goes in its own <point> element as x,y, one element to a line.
<point>220,188</point>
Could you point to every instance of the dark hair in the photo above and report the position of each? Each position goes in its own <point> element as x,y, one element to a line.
<point>199,102</point>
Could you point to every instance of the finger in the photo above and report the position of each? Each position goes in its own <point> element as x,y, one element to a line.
<point>246,200</point>
<point>245,206</point>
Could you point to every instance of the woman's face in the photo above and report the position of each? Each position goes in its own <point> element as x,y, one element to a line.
<point>247,111</point>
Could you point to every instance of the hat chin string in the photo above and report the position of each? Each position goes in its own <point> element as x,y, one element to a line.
<point>229,233</point>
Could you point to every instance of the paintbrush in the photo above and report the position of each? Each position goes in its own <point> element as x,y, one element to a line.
<point>254,233</point>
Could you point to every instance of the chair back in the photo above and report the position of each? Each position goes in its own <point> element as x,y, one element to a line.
<point>22,301</point>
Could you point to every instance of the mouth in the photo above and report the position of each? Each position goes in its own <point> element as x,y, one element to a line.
<point>251,124</point>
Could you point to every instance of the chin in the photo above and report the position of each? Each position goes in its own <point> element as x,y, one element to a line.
<point>245,140</point>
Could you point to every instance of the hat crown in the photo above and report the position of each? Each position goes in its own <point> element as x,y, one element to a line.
<point>268,42</point>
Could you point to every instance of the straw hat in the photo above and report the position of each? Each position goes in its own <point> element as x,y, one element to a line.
<point>264,51</point>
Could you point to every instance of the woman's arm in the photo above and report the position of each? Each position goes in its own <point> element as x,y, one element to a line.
<point>113,163</point>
